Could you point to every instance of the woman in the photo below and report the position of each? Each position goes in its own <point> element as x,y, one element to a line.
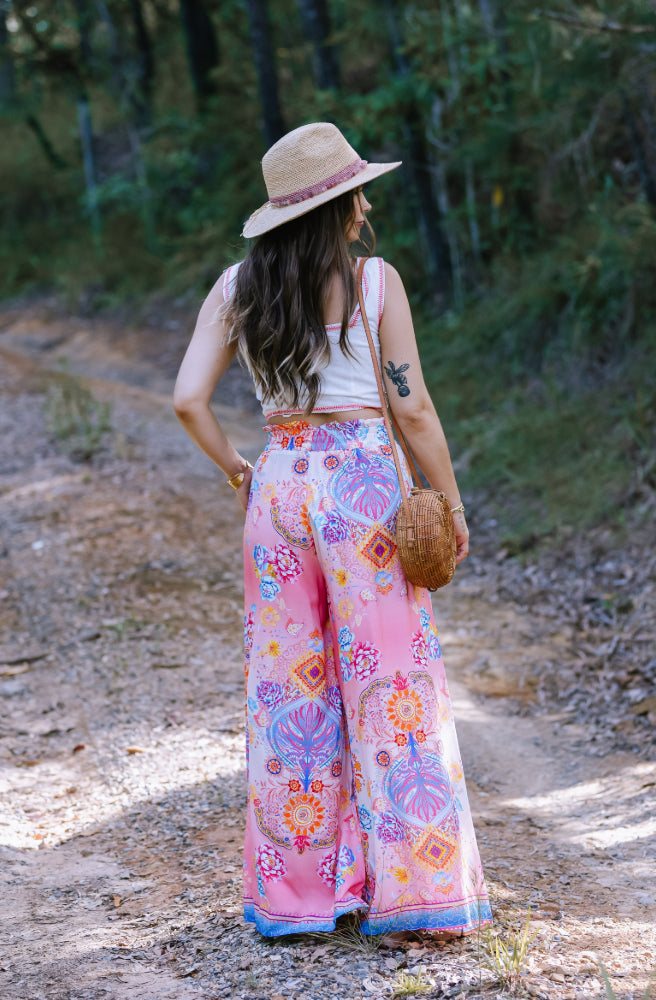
<point>356,798</point>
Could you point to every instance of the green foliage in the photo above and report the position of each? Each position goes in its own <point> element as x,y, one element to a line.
<point>79,420</point>
<point>536,130</point>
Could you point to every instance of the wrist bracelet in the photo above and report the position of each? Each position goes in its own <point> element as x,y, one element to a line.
<point>459,509</point>
<point>238,478</point>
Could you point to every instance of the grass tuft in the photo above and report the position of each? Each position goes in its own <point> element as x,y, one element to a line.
<point>348,935</point>
<point>78,420</point>
<point>411,984</point>
<point>506,957</point>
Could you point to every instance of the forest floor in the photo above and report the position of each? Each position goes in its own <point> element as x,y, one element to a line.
<point>121,728</point>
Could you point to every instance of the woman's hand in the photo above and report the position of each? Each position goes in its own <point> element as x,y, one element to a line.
<point>243,491</point>
<point>462,536</point>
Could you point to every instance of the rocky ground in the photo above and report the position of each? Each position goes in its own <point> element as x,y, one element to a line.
<point>121,733</point>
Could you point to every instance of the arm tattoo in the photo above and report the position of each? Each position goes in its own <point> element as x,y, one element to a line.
<point>396,376</point>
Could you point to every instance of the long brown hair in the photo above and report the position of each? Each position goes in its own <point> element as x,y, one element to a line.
<point>276,312</point>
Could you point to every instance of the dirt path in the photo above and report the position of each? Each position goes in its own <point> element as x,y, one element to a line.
<point>121,737</point>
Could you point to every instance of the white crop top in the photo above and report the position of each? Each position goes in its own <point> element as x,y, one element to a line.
<point>347,383</point>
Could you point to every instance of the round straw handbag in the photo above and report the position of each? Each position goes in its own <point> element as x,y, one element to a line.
<point>426,538</point>
<point>425,532</point>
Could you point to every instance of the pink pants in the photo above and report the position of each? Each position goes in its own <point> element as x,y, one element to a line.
<point>356,796</point>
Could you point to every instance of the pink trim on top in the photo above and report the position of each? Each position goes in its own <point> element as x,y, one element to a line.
<point>381,289</point>
<point>227,281</point>
<point>352,322</point>
<point>338,408</point>
<point>314,189</point>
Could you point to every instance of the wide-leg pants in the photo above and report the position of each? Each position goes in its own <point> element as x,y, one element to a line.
<point>356,795</point>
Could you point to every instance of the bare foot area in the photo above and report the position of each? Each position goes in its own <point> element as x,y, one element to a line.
<point>121,734</point>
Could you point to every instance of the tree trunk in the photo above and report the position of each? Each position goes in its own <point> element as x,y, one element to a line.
<point>444,204</point>
<point>202,47</point>
<point>430,224</point>
<point>645,173</point>
<point>84,23</point>
<point>7,76</point>
<point>145,60</point>
<point>456,60</point>
<point>263,57</point>
<point>125,82</point>
<point>146,200</point>
<point>472,214</point>
<point>84,26</point>
<point>316,28</point>
<point>494,22</point>
<point>86,138</point>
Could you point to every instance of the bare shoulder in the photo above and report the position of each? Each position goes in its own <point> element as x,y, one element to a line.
<point>393,284</point>
<point>211,311</point>
<point>391,272</point>
<point>223,287</point>
<point>396,309</point>
<point>216,294</point>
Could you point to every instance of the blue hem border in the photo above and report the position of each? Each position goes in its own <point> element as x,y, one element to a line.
<point>271,927</point>
<point>457,920</point>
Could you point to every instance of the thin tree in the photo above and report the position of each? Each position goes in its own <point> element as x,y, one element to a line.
<point>85,125</point>
<point>7,75</point>
<point>202,47</point>
<point>265,66</point>
<point>315,18</point>
<point>414,132</point>
<point>145,62</point>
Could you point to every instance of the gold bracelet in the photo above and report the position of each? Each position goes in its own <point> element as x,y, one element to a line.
<point>459,508</point>
<point>238,478</point>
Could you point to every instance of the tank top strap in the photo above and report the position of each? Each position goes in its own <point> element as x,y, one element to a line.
<point>373,284</point>
<point>229,280</point>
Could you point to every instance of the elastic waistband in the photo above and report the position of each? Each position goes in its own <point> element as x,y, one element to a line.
<point>338,435</point>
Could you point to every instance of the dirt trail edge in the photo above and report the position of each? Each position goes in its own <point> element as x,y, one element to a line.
<point>121,745</point>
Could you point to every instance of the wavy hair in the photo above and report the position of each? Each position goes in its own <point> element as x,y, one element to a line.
<point>276,312</point>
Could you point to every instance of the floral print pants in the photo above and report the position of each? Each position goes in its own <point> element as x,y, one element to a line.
<point>356,796</point>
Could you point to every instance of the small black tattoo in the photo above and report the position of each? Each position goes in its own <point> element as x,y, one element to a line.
<point>396,376</point>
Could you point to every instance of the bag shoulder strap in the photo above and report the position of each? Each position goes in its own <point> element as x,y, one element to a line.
<point>387,410</point>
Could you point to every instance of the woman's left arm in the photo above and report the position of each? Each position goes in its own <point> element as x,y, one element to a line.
<point>410,402</point>
<point>207,358</point>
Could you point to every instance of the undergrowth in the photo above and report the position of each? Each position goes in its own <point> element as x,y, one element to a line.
<point>561,443</point>
<point>78,420</point>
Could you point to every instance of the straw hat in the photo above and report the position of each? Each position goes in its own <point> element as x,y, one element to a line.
<point>306,168</point>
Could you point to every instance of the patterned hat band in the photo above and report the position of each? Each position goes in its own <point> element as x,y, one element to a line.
<point>314,189</point>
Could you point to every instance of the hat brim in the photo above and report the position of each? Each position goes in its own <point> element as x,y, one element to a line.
<point>270,216</point>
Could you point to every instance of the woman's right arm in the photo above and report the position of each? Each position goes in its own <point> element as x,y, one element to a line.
<point>207,358</point>
<point>410,402</point>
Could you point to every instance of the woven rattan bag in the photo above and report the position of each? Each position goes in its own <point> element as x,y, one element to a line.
<point>425,532</point>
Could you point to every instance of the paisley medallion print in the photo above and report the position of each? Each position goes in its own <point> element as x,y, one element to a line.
<point>306,735</point>
<point>365,488</point>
